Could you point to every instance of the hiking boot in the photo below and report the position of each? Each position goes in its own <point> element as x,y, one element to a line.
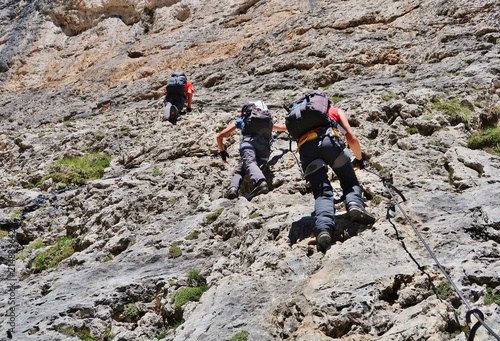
<point>359,215</point>
<point>323,241</point>
<point>174,114</point>
<point>232,193</point>
<point>260,188</point>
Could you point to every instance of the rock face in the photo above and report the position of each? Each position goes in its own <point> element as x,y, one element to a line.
<point>416,78</point>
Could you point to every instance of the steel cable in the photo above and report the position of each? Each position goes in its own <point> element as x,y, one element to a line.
<point>471,311</point>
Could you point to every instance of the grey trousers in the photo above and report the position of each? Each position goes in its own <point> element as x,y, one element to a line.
<point>254,151</point>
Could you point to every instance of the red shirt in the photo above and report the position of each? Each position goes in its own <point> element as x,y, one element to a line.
<point>189,89</point>
<point>333,113</point>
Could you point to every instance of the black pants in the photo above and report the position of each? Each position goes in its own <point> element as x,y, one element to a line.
<point>177,100</point>
<point>324,207</point>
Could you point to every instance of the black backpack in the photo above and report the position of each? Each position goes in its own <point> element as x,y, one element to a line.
<point>308,113</point>
<point>257,121</point>
<point>176,83</point>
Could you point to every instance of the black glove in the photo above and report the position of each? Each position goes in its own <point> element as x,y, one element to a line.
<point>224,155</point>
<point>188,109</point>
<point>360,164</point>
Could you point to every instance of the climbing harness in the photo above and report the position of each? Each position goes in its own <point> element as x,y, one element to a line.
<point>308,137</point>
<point>387,181</point>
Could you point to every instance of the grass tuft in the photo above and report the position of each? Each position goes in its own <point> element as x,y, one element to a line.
<point>78,170</point>
<point>52,257</point>
<point>457,112</point>
<point>241,336</point>
<point>213,216</point>
<point>486,139</point>
<point>186,294</point>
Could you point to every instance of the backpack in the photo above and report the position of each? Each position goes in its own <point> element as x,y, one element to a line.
<point>307,113</point>
<point>176,83</point>
<point>257,119</point>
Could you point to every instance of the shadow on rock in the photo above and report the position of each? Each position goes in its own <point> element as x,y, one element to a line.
<point>345,229</point>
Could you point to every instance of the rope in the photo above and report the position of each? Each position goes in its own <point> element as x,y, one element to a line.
<point>295,156</point>
<point>387,182</point>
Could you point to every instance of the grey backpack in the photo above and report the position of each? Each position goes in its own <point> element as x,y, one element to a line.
<point>258,120</point>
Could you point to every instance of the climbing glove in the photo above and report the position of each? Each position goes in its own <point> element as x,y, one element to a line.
<point>224,155</point>
<point>360,164</point>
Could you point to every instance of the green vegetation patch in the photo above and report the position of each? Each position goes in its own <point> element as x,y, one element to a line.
<point>388,95</point>
<point>83,334</point>
<point>486,139</point>
<point>194,275</point>
<point>376,199</point>
<point>17,214</point>
<point>444,289</point>
<point>255,215</point>
<point>185,294</point>
<point>213,216</point>
<point>161,335</point>
<point>193,235</point>
<point>174,251</point>
<point>156,172</point>
<point>336,99</point>
<point>35,245</point>
<point>124,131</point>
<point>241,336</point>
<point>22,255</point>
<point>130,313</point>
<point>193,293</point>
<point>100,135</point>
<point>412,130</point>
<point>271,265</point>
<point>108,258</point>
<point>492,296</point>
<point>3,233</point>
<point>78,170</point>
<point>52,257</point>
<point>457,112</point>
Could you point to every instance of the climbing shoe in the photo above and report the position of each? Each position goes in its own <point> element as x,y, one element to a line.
<point>323,241</point>
<point>359,215</point>
<point>260,188</point>
<point>232,193</point>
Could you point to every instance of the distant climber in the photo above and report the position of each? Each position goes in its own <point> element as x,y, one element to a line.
<point>178,92</point>
<point>315,125</point>
<point>256,125</point>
